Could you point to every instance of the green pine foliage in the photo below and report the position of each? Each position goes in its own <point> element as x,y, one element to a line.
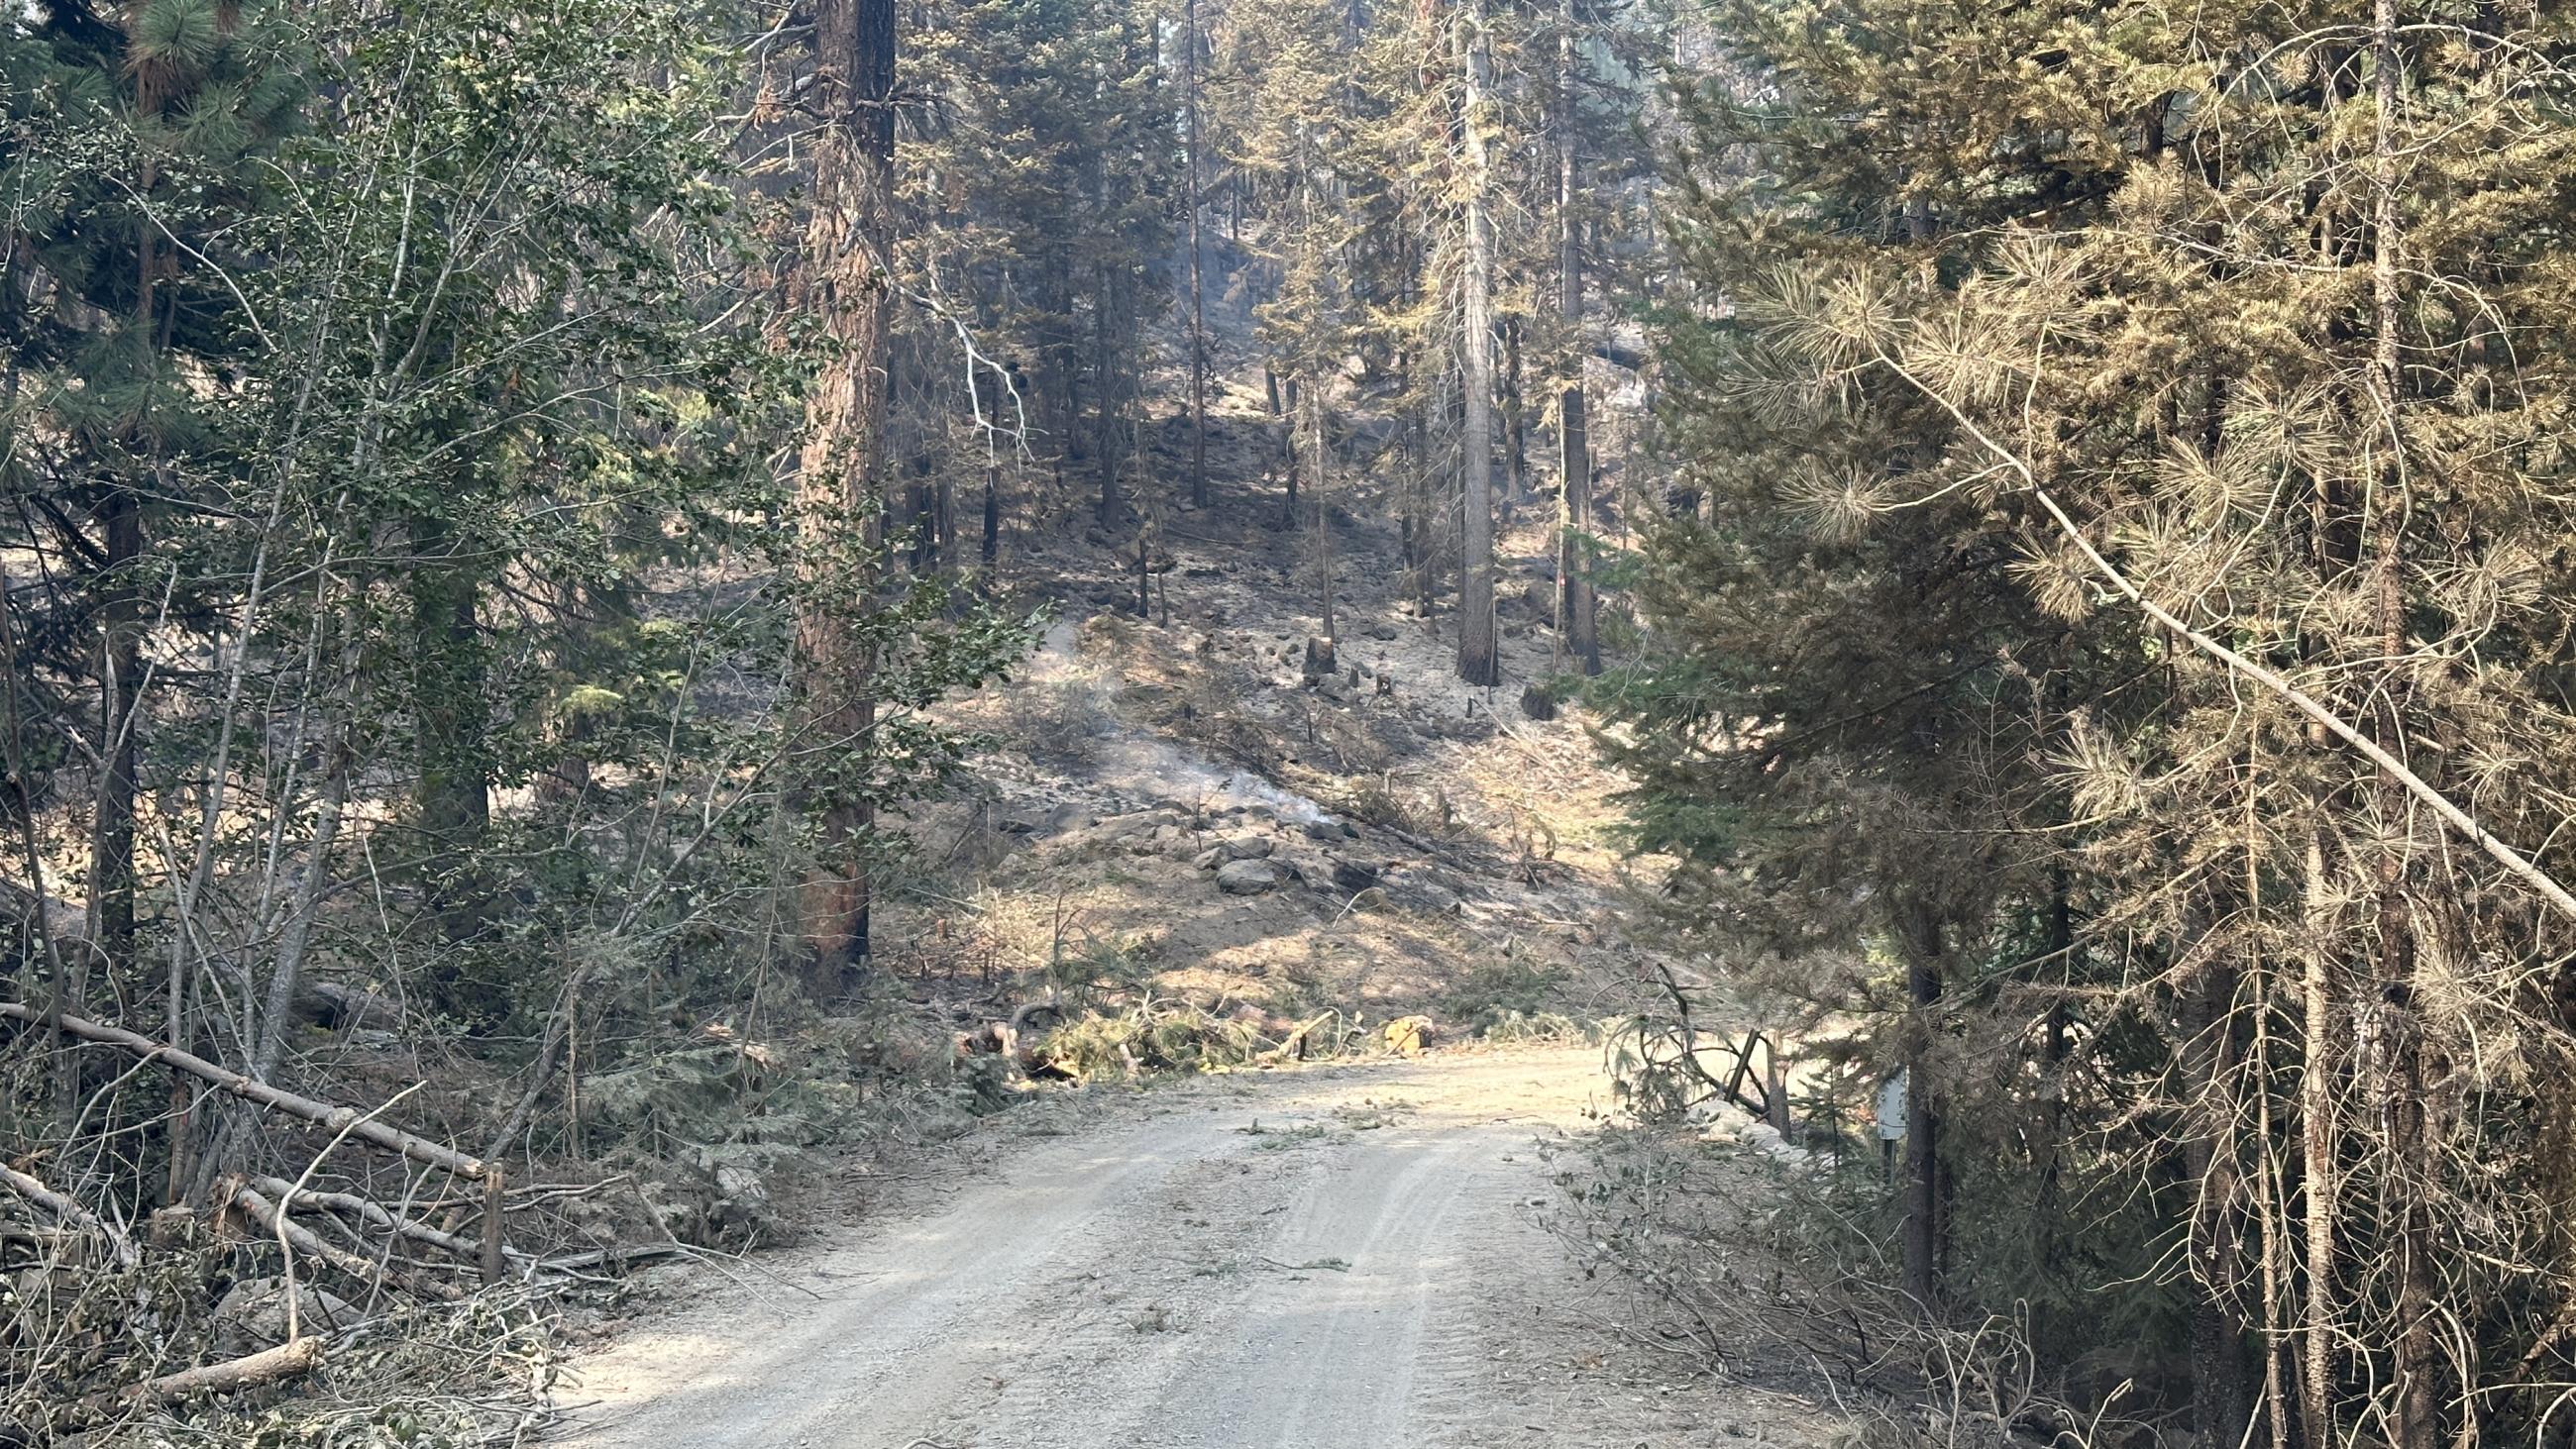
<point>1996,317</point>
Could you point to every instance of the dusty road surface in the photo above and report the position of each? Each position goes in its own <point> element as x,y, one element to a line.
<point>1290,1261</point>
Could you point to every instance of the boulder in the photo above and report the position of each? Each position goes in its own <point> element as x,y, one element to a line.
<point>1024,820</point>
<point>1246,877</point>
<point>337,1007</point>
<point>252,1315</point>
<point>742,1200</point>
<point>1423,894</point>
<point>1310,868</point>
<point>1354,875</point>
<point>1247,847</point>
<point>1210,858</point>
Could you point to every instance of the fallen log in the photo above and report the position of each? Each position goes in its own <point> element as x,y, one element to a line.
<point>375,1214</point>
<point>345,1121</point>
<point>303,1240</point>
<point>269,1365</point>
<point>70,1214</point>
<point>599,1257</point>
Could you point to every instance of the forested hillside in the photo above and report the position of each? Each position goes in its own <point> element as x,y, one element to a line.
<point>634,622</point>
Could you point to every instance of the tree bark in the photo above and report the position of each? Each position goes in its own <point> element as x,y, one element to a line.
<point>2217,1345</point>
<point>1577,618</point>
<point>2417,1423</point>
<point>452,789</point>
<point>1479,661</point>
<point>1922,1234</point>
<point>357,1125</point>
<point>1110,404</point>
<point>1198,290</point>
<point>2316,1136</point>
<point>1323,508</point>
<point>839,485</point>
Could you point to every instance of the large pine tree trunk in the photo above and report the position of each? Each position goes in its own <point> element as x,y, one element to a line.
<point>1478,659</point>
<point>849,230</point>
<point>1577,620</point>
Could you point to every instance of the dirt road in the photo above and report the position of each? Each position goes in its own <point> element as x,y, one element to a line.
<point>1331,1258</point>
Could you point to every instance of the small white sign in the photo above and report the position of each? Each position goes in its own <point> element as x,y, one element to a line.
<point>1891,1108</point>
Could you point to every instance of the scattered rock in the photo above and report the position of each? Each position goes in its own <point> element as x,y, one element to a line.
<point>1246,877</point>
<point>1423,895</point>
<point>1354,875</point>
<point>1032,819</point>
<point>1327,830</point>
<point>1247,847</point>
<point>1210,858</point>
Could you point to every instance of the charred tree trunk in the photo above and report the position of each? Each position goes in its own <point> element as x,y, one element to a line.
<point>1578,622</point>
<point>1479,659</point>
<point>1107,385</point>
<point>1922,1235</point>
<point>992,554</point>
<point>1315,441</point>
<point>838,488</point>
<point>1198,290</point>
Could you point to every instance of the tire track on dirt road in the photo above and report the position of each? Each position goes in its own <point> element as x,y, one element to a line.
<point>1279,1261</point>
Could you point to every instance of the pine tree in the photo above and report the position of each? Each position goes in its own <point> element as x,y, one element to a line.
<point>2117,391</point>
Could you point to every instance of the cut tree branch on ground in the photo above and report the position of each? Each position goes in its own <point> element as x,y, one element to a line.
<point>70,1214</point>
<point>260,1210</point>
<point>337,1119</point>
<point>366,1210</point>
<point>288,1360</point>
